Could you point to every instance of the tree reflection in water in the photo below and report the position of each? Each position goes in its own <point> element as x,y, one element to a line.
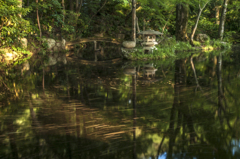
<point>83,111</point>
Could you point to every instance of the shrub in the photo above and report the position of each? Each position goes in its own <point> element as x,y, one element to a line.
<point>221,45</point>
<point>12,25</point>
<point>196,43</point>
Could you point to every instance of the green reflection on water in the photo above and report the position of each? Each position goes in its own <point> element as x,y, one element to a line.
<point>178,109</point>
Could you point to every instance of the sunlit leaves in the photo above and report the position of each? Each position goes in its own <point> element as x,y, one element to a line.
<point>12,26</point>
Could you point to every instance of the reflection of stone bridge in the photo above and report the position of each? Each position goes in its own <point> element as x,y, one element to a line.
<point>71,45</point>
<point>92,39</point>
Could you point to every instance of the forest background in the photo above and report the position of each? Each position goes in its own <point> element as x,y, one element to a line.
<point>75,19</point>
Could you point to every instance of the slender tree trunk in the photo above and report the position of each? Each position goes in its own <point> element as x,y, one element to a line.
<point>133,20</point>
<point>71,5</point>
<point>39,26</point>
<point>195,27</point>
<point>43,79</point>
<point>63,5</point>
<point>174,108</point>
<point>220,92</point>
<point>144,22</point>
<point>217,11</point>
<point>77,3</point>
<point>20,3</point>
<point>221,96</point>
<point>171,127</point>
<point>138,29</point>
<point>222,20</point>
<point>20,6</point>
<point>196,24</point>
<point>181,22</point>
<point>134,102</point>
<point>79,6</point>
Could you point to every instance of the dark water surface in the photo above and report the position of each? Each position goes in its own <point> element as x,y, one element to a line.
<point>188,108</point>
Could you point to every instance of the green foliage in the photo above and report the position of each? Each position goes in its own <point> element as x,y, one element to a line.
<point>183,46</point>
<point>45,45</point>
<point>208,26</point>
<point>19,49</point>
<point>156,14</point>
<point>228,36</point>
<point>12,25</point>
<point>168,47</point>
<point>221,45</point>
<point>233,16</point>
<point>71,22</point>
<point>196,43</point>
<point>112,18</point>
<point>50,16</point>
<point>206,42</point>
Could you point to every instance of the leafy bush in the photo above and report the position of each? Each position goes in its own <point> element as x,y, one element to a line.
<point>12,26</point>
<point>221,45</point>
<point>196,43</point>
<point>183,46</point>
<point>50,15</point>
<point>228,36</point>
<point>208,26</point>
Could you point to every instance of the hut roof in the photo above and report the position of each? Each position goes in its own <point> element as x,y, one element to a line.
<point>151,32</point>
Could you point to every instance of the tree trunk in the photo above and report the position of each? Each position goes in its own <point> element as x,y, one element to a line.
<point>39,26</point>
<point>144,22</point>
<point>138,29</point>
<point>217,10</point>
<point>133,20</point>
<point>220,92</point>
<point>63,5</point>
<point>20,3</point>
<point>196,24</point>
<point>222,20</point>
<point>71,5</point>
<point>20,6</point>
<point>195,27</point>
<point>77,3</point>
<point>134,102</point>
<point>181,22</point>
<point>79,6</point>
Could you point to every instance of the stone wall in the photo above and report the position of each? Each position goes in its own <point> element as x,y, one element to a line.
<point>54,45</point>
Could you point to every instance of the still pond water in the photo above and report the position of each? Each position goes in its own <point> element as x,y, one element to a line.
<point>187,108</point>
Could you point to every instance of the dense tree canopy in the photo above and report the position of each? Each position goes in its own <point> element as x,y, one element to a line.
<point>81,18</point>
<point>61,106</point>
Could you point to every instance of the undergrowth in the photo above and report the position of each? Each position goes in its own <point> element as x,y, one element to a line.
<point>169,47</point>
